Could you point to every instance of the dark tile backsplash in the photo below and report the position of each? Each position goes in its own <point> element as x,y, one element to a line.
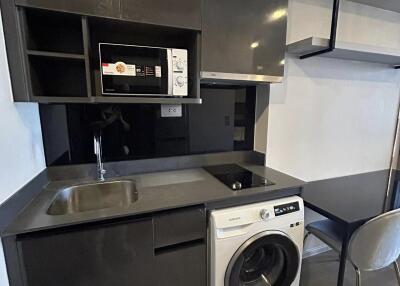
<point>224,122</point>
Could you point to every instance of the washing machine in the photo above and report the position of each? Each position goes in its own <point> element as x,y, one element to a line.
<point>257,245</point>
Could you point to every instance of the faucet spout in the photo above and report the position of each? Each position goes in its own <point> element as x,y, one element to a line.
<point>98,152</point>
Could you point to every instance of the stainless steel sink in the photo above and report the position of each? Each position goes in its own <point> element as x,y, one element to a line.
<point>94,196</point>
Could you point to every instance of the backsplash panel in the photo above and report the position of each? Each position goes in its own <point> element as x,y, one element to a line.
<point>224,122</point>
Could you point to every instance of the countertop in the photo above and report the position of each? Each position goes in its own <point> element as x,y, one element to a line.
<point>351,199</point>
<point>157,192</point>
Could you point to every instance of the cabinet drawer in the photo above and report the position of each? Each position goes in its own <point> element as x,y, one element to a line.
<point>182,266</point>
<point>179,226</point>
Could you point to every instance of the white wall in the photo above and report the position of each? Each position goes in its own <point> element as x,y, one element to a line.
<point>334,117</point>
<point>21,148</point>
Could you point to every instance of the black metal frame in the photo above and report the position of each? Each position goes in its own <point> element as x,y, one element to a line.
<point>332,40</point>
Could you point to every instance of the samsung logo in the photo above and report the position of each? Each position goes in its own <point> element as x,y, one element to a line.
<point>235,218</point>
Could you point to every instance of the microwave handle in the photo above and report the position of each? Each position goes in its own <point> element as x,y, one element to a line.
<point>170,72</point>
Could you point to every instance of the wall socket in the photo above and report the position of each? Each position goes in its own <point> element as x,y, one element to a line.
<point>171,110</point>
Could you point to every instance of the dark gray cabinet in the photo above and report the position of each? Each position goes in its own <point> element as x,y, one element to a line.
<point>244,38</point>
<point>175,13</point>
<point>102,8</point>
<point>182,267</point>
<point>112,254</point>
<point>212,124</point>
<point>167,248</point>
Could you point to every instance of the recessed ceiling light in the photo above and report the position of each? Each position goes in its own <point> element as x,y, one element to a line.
<point>254,45</point>
<point>277,14</point>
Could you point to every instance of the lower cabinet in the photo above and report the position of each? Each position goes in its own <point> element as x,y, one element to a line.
<point>112,254</point>
<point>122,253</point>
<point>182,266</point>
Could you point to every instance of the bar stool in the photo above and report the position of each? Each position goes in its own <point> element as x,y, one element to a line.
<point>374,246</point>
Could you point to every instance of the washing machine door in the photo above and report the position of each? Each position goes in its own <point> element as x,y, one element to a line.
<point>266,259</point>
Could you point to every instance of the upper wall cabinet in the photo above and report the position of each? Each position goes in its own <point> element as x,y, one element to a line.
<point>244,40</point>
<point>105,8</point>
<point>53,46</point>
<point>175,13</point>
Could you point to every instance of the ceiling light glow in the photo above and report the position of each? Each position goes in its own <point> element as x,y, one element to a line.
<point>254,45</point>
<point>277,14</point>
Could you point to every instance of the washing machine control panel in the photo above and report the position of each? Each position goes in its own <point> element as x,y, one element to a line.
<point>286,208</point>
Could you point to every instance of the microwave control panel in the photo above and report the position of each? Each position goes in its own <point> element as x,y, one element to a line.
<point>180,72</point>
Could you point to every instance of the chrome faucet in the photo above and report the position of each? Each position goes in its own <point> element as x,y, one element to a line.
<point>98,151</point>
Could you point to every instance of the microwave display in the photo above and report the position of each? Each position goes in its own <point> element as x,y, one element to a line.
<point>128,70</point>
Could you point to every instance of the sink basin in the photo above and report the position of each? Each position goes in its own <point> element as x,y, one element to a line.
<point>94,196</point>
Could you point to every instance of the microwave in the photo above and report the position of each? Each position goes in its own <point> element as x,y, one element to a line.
<point>130,70</point>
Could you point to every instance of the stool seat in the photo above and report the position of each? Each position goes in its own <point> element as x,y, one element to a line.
<point>328,231</point>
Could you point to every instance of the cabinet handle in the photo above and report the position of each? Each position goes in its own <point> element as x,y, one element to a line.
<point>178,246</point>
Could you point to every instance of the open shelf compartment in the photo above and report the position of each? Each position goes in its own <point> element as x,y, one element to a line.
<point>57,77</point>
<point>121,32</point>
<point>49,31</point>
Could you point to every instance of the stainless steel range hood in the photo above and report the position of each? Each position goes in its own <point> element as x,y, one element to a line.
<point>219,77</point>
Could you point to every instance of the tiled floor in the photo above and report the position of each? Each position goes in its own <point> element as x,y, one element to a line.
<point>321,270</point>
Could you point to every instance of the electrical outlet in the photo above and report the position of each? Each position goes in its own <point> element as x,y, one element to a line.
<point>171,110</point>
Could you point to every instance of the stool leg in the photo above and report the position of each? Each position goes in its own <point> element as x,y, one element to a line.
<point>358,277</point>
<point>305,237</point>
<point>396,268</point>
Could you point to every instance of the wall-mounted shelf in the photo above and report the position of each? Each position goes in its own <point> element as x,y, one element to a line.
<point>55,55</point>
<point>391,5</point>
<point>347,51</point>
<point>61,61</point>
<point>120,100</point>
<point>146,100</point>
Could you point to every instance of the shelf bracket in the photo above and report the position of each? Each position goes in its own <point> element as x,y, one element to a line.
<point>332,39</point>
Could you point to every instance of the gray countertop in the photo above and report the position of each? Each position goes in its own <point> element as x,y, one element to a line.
<point>157,191</point>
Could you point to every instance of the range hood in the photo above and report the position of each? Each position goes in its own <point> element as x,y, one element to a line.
<point>229,78</point>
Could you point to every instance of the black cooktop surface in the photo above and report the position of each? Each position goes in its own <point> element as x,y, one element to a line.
<point>237,178</point>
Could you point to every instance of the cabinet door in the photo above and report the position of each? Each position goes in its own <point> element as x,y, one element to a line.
<point>112,254</point>
<point>182,266</point>
<point>104,8</point>
<point>176,13</point>
<point>244,37</point>
<point>212,123</point>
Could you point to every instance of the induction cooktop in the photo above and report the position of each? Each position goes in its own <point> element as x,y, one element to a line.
<point>237,178</point>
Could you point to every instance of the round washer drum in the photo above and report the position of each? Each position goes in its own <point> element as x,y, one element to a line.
<point>269,258</point>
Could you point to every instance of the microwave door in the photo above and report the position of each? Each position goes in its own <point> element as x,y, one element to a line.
<point>170,72</point>
<point>134,70</point>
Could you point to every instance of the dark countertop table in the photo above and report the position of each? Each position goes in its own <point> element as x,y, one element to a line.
<point>350,201</point>
<point>158,191</point>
